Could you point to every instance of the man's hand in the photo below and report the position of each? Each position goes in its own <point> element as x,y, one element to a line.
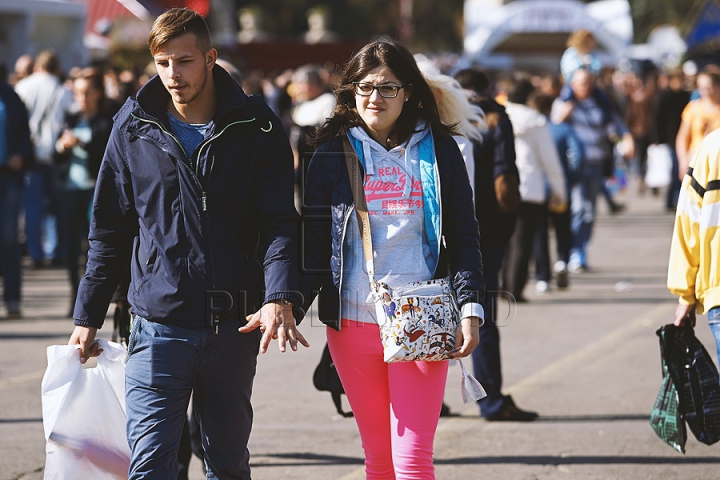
<point>66,141</point>
<point>628,146</point>
<point>467,336</point>
<point>276,322</point>
<point>556,205</point>
<point>15,162</point>
<point>85,337</point>
<point>685,313</point>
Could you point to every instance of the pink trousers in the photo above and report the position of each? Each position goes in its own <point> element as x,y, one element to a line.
<point>396,406</point>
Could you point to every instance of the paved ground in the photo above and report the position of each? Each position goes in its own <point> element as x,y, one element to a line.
<point>587,359</point>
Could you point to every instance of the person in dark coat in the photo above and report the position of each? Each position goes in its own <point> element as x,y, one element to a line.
<point>195,193</point>
<point>497,200</point>
<point>15,155</point>
<point>78,153</point>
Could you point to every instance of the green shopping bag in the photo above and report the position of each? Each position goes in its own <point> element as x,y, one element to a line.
<point>665,418</point>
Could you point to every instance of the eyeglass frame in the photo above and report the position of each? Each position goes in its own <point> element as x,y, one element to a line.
<point>377,87</point>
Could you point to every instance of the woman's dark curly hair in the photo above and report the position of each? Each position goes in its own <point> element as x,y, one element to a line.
<point>392,54</point>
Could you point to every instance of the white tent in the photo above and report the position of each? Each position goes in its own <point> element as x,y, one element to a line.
<point>29,26</point>
<point>532,33</point>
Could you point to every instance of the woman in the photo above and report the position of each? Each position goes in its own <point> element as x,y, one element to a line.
<point>417,189</point>
<point>699,118</point>
<point>79,151</point>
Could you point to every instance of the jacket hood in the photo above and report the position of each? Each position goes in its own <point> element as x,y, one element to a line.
<point>372,149</point>
<point>153,97</point>
<point>524,118</point>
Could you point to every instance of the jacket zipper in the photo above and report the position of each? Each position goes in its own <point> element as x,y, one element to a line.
<point>216,318</point>
<point>203,198</point>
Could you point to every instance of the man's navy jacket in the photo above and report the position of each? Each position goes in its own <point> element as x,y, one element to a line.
<point>202,248</point>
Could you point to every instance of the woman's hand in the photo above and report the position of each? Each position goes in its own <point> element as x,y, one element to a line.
<point>467,336</point>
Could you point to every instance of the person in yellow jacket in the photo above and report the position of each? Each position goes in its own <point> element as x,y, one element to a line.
<point>694,267</point>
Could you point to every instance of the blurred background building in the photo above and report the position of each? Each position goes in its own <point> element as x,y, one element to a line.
<point>533,33</point>
<point>29,26</point>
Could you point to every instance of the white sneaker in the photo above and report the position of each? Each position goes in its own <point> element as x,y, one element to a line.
<point>576,267</point>
<point>542,287</point>
<point>561,274</point>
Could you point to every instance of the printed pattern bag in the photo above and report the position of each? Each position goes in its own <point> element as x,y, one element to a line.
<point>417,320</point>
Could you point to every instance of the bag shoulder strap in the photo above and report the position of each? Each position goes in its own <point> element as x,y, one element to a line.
<point>358,192</point>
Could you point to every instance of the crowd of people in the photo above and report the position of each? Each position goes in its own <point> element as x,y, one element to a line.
<point>512,156</point>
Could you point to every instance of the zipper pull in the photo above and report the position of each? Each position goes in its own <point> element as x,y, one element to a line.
<point>204,201</point>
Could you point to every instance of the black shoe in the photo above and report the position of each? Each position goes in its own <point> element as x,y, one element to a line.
<point>445,411</point>
<point>511,413</point>
<point>616,208</point>
<point>57,263</point>
<point>13,310</point>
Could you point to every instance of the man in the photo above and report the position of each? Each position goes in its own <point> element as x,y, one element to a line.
<point>14,150</point>
<point>591,116</point>
<point>47,101</point>
<point>695,250</point>
<point>497,199</point>
<point>197,186</point>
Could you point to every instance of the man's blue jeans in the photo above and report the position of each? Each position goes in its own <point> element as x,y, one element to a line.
<point>714,322</point>
<point>11,188</point>
<point>40,203</point>
<point>583,203</point>
<point>165,365</point>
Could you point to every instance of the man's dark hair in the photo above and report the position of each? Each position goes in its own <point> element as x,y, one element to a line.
<point>518,89</point>
<point>308,74</point>
<point>175,23</point>
<point>472,79</point>
<point>542,103</point>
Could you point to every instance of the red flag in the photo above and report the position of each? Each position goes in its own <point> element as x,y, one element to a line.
<point>200,6</point>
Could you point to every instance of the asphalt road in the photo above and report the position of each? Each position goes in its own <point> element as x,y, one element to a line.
<point>586,359</point>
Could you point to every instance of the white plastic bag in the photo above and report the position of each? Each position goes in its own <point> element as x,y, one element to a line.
<point>84,414</point>
<point>659,166</point>
<point>471,389</point>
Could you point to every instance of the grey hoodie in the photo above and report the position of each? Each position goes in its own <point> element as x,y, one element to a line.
<point>402,253</point>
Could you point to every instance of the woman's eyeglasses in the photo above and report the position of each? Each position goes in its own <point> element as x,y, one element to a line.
<point>385,91</point>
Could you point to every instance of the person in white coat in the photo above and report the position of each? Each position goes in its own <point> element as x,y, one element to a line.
<point>539,168</point>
